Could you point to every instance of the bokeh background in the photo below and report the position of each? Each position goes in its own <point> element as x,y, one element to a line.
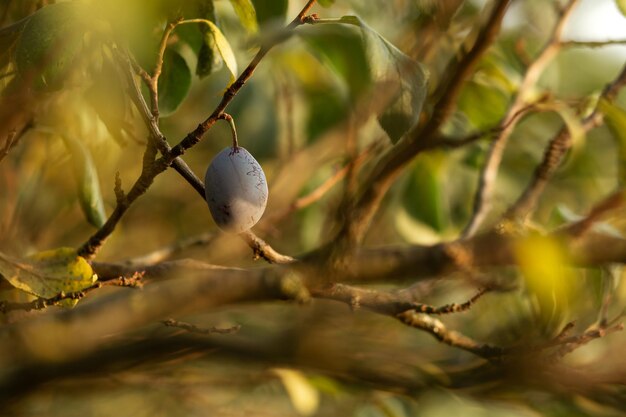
<point>298,116</point>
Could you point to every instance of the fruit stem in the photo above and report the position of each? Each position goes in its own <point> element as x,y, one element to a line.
<point>231,122</point>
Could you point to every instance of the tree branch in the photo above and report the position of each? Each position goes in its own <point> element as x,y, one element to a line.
<point>425,136</point>
<point>152,167</point>
<point>489,171</point>
<point>389,303</point>
<point>556,150</point>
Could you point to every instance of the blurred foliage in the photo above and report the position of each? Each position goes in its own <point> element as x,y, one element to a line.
<point>49,273</point>
<point>334,83</point>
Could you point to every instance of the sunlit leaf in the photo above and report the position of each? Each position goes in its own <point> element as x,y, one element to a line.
<point>223,47</point>
<point>174,82</point>
<point>88,185</point>
<point>270,10</point>
<point>209,57</point>
<point>50,43</point>
<point>402,81</point>
<point>303,395</point>
<point>544,264</point>
<point>246,13</point>
<point>403,76</point>
<point>48,274</point>
<point>615,118</point>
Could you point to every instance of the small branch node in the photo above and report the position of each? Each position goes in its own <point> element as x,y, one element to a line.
<point>310,19</point>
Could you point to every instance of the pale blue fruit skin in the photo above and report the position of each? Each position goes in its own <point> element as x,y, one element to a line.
<point>235,189</point>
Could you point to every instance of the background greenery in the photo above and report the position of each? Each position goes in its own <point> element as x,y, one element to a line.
<point>301,115</point>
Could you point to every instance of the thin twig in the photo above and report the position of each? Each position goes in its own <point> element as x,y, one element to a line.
<point>609,204</point>
<point>492,133</point>
<point>489,171</point>
<point>399,304</point>
<point>425,136</point>
<point>13,138</point>
<point>570,344</point>
<point>555,152</point>
<point>39,303</point>
<point>263,250</point>
<point>390,302</point>
<point>450,337</point>
<point>194,137</point>
<point>260,249</point>
<point>152,167</point>
<point>591,44</point>
<point>8,144</point>
<point>158,68</point>
<point>320,191</point>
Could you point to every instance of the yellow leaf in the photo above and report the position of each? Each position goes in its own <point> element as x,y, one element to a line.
<point>50,273</point>
<point>303,395</point>
<point>544,264</point>
<point>223,47</point>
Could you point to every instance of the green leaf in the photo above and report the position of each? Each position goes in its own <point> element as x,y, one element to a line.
<point>621,5</point>
<point>223,47</point>
<point>246,13</point>
<point>209,57</point>
<point>48,274</point>
<point>424,194</point>
<point>49,44</point>
<point>615,118</point>
<point>403,80</point>
<point>340,47</point>
<point>403,76</point>
<point>270,10</point>
<point>326,108</point>
<point>483,104</point>
<point>88,185</point>
<point>174,82</point>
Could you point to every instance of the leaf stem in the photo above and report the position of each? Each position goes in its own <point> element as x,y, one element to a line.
<point>231,122</point>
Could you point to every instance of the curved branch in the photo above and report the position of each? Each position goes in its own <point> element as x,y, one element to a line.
<point>425,136</point>
<point>152,167</point>
<point>555,152</point>
<point>489,171</point>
